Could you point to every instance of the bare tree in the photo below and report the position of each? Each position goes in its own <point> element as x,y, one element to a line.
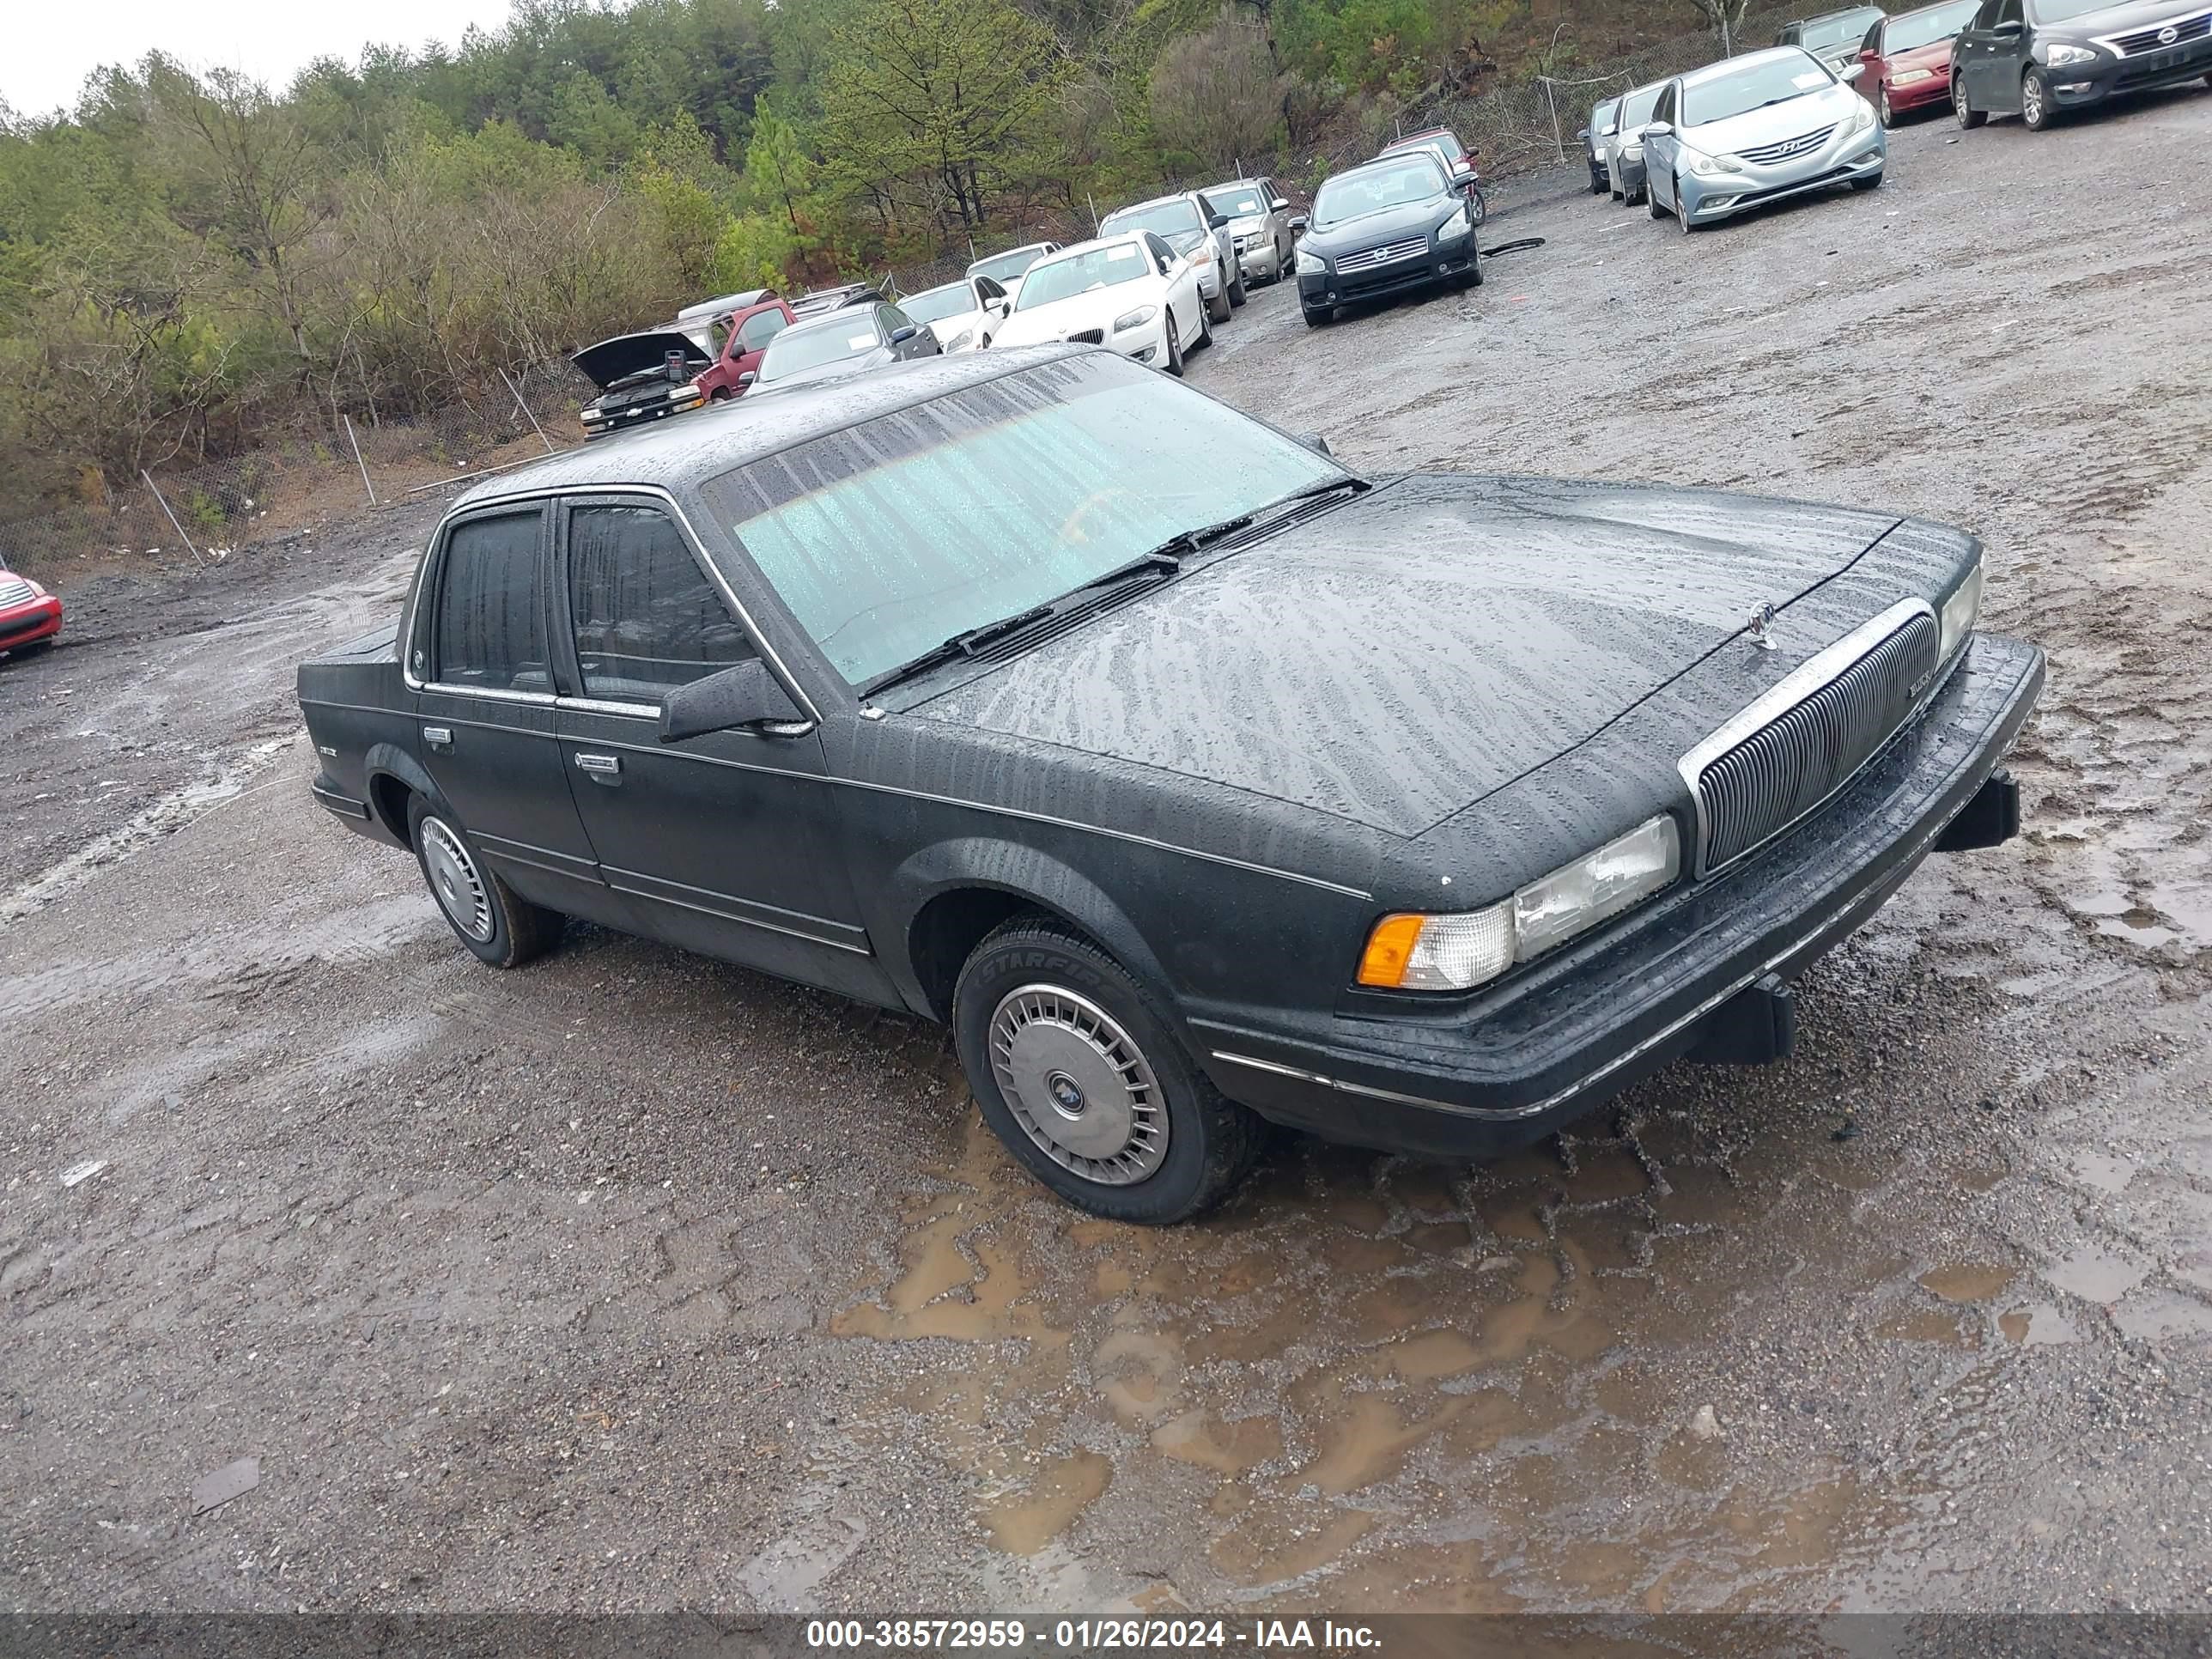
<point>1216,94</point>
<point>1725,18</point>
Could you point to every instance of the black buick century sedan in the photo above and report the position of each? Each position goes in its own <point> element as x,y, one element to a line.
<point>1194,780</point>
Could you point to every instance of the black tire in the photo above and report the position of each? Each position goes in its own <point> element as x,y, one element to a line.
<point>35,648</point>
<point>1217,308</point>
<point>1872,181</point>
<point>1237,294</point>
<point>1681,219</point>
<point>1881,106</point>
<point>2037,111</point>
<point>1598,184</point>
<point>1321,318</point>
<point>509,929</point>
<point>1205,332</point>
<point>1651,203</point>
<point>1211,1142</point>
<point>1474,273</point>
<point>1173,364</point>
<point>1962,106</point>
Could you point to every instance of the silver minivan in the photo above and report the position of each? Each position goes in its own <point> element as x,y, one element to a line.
<point>1259,226</point>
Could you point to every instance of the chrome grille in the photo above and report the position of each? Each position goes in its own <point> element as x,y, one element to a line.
<point>1767,154</point>
<point>1753,791</point>
<point>1368,258</point>
<point>14,590</point>
<point>2185,29</point>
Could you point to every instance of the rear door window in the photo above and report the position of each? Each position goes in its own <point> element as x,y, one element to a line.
<point>647,617</point>
<point>490,614</point>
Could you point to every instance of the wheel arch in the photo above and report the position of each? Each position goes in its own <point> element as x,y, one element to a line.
<point>963,889</point>
<point>394,775</point>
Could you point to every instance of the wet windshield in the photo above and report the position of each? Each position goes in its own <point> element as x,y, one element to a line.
<point>934,305</point>
<point>1925,29</point>
<point>1767,81</point>
<point>845,335</point>
<point>1070,274</point>
<point>1007,267</point>
<point>1242,202</point>
<point>1636,108</point>
<point>984,504</point>
<point>1175,218</point>
<point>1825,33</point>
<point>1378,186</point>
<point>1602,118</point>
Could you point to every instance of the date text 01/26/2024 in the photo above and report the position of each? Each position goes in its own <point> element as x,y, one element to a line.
<point>1091,1635</point>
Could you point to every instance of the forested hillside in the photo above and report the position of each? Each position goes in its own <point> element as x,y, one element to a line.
<point>190,261</point>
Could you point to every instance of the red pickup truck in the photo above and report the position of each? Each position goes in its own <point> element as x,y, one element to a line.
<point>735,330</point>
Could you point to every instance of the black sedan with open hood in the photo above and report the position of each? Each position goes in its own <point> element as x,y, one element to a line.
<point>1194,781</point>
<point>642,377</point>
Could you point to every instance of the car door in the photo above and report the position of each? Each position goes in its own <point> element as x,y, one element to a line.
<point>721,843</point>
<point>991,301</point>
<point>485,706</point>
<point>2008,61</point>
<point>1871,64</point>
<point>1183,301</point>
<point>1660,150</point>
<point>1972,51</point>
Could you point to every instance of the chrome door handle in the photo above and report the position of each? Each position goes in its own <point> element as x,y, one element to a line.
<point>605,765</point>
<point>437,736</point>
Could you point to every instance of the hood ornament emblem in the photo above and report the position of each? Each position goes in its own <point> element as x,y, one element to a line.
<point>1760,632</point>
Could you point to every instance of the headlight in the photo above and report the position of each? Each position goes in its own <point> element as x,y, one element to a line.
<point>959,341</point>
<point>2065,54</point>
<point>1136,318</point>
<point>1311,265</point>
<point>1715,167</point>
<point>1862,117</point>
<point>1457,227</point>
<point>1960,611</point>
<point>1906,77</point>
<point>1408,952</point>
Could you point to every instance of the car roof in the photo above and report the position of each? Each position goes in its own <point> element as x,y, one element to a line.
<point>1388,157</point>
<point>1229,184</point>
<point>1157,201</point>
<point>1111,239</point>
<point>842,317</point>
<point>678,454</point>
<point>1697,77</point>
<point>1024,247</point>
<point>1840,11</point>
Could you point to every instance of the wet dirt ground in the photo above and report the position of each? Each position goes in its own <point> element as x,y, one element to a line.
<point>633,1281</point>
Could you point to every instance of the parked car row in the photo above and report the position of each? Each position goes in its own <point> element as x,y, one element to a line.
<point>1783,121</point>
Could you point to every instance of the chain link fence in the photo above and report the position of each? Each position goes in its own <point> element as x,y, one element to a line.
<point>200,514</point>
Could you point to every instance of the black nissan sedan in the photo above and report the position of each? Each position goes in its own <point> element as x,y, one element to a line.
<point>1194,781</point>
<point>2039,58</point>
<point>1398,222</point>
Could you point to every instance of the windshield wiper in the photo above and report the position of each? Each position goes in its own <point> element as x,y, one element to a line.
<point>963,644</point>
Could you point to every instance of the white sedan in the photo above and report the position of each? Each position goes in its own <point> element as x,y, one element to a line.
<point>1131,292</point>
<point>964,316</point>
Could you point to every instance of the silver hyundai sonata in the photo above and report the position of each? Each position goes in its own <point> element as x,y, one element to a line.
<point>1752,130</point>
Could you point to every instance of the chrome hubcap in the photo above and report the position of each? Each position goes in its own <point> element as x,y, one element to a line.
<point>1079,1087</point>
<point>2033,101</point>
<point>454,878</point>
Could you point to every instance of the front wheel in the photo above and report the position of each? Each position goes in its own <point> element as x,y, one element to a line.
<point>1881,107</point>
<point>1175,346</point>
<point>2035,108</point>
<point>1681,214</point>
<point>1963,107</point>
<point>1217,308</point>
<point>1872,181</point>
<point>496,922</point>
<point>1078,1073</point>
<point>1236,293</point>
<point>1318,318</point>
<point>1478,206</point>
<point>1652,204</point>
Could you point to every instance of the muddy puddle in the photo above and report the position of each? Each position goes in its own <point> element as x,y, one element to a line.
<point>1421,1386</point>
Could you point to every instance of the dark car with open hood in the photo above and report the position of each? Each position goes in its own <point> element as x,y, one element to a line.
<point>642,377</point>
<point>1196,782</point>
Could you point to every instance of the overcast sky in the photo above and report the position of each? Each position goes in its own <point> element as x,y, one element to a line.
<point>51,45</point>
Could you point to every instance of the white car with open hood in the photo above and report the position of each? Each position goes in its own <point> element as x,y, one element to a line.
<point>1131,292</point>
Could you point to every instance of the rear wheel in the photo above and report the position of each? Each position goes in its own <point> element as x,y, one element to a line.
<point>2036,110</point>
<point>1963,107</point>
<point>1079,1074</point>
<point>496,922</point>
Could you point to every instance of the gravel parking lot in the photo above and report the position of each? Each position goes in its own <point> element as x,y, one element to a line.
<point>634,1281</point>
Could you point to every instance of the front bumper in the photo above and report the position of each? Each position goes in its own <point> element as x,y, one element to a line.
<point>1918,95</point>
<point>1534,1055</point>
<point>659,409</point>
<point>1860,155</point>
<point>2078,86</point>
<point>1258,258</point>
<point>1441,263</point>
<point>28,623</point>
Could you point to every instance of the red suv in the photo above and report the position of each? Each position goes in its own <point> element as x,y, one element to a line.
<point>29,616</point>
<point>740,336</point>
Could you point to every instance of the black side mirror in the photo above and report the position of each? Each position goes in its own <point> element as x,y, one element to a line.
<point>1315,442</point>
<point>745,695</point>
<point>1215,221</point>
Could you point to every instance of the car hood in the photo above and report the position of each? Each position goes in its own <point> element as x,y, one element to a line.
<point>1830,105</point>
<point>1389,224</point>
<point>836,369</point>
<point>627,354</point>
<point>1401,657</point>
<point>1934,55</point>
<point>1057,318</point>
<point>2113,20</point>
